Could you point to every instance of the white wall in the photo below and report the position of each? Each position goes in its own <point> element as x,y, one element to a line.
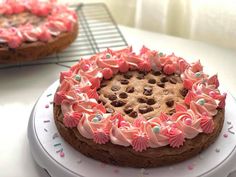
<point>122,10</point>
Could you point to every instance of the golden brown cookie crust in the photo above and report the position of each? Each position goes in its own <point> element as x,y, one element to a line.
<point>37,50</point>
<point>126,156</point>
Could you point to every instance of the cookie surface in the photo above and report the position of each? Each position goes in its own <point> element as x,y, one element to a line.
<point>134,93</point>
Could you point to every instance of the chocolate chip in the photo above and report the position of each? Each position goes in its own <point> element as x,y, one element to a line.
<point>151,81</point>
<point>124,81</point>
<point>156,73</point>
<point>112,97</point>
<point>171,112</point>
<point>109,110</point>
<point>173,80</point>
<point>140,76</point>
<point>118,103</point>
<point>142,100</point>
<point>165,92</point>
<point>183,92</point>
<point>103,84</point>
<point>123,95</point>
<point>105,95</point>
<point>147,88</point>
<point>128,75</point>
<point>147,91</point>
<point>128,109</point>
<point>149,109</point>
<point>164,79</point>
<point>129,89</point>
<point>145,109</point>
<point>170,103</point>
<point>161,84</point>
<point>102,101</point>
<point>115,88</point>
<point>151,101</point>
<point>133,114</point>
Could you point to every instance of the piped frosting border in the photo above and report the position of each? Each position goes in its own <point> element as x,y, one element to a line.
<point>78,97</point>
<point>58,18</point>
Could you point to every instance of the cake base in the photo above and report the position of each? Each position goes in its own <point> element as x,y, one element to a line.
<point>37,50</point>
<point>126,156</point>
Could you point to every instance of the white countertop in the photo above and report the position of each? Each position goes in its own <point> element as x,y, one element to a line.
<point>20,87</point>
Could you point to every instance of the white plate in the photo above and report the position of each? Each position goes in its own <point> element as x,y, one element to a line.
<point>52,153</point>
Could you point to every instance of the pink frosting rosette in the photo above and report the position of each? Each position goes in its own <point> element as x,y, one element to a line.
<point>207,124</point>
<point>193,74</point>
<point>188,122</point>
<point>122,135</point>
<point>71,119</point>
<point>176,137</point>
<point>96,127</point>
<point>204,105</point>
<point>173,64</point>
<point>30,33</point>
<point>152,56</point>
<point>65,87</point>
<point>12,36</point>
<point>41,8</point>
<point>108,60</point>
<point>155,131</point>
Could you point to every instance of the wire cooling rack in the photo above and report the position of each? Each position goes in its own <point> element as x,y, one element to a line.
<point>98,31</point>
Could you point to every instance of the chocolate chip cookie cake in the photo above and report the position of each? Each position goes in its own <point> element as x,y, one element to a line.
<point>138,110</point>
<point>32,29</point>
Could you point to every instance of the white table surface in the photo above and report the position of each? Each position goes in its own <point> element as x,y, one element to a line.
<point>20,88</point>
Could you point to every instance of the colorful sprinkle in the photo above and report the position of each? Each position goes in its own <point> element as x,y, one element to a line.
<point>62,154</point>
<point>188,121</point>
<point>49,95</point>
<point>116,170</point>
<point>55,135</point>
<point>58,144</point>
<point>46,121</point>
<point>190,167</point>
<point>46,106</point>
<point>201,101</point>
<point>60,150</point>
<point>198,74</point>
<point>95,119</point>
<point>45,130</point>
<point>86,67</point>
<point>77,77</point>
<point>161,54</point>
<point>225,135</point>
<point>228,122</point>
<point>51,102</point>
<point>99,116</point>
<point>156,129</point>
<point>217,150</point>
<point>108,55</point>
<point>230,130</point>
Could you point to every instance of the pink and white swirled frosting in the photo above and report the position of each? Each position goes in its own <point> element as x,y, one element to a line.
<point>57,19</point>
<point>78,99</point>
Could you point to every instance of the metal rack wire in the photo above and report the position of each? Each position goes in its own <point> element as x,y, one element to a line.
<point>98,31</point>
